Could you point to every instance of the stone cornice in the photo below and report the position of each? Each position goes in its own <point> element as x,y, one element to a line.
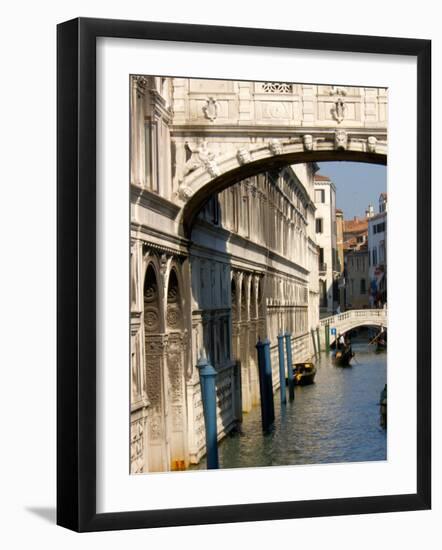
<point>156,238</point>
<point>153,201</point>
<point>248,130</point>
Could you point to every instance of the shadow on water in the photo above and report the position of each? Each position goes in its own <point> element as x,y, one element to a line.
<point>336,419</point>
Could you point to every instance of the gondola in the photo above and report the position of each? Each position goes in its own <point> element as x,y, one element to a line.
<point>380,340</point>
<point>343,356</point>
<point>381,345</point>
<point>304,373</point>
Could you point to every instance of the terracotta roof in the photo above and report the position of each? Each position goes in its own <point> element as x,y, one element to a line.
<point>355,226</point>
<point>352,244</point>
<point>363,249</point>
<point>320,177</point>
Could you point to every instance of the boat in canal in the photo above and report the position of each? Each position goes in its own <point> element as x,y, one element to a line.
<point>343,356</point>
<point>304,373</point>
<point>380,340</point>
<point>381,346</point>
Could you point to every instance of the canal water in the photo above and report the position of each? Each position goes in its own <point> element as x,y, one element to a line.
<point>336,419</point>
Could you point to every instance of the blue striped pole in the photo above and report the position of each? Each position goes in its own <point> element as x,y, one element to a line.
<point>281,369</point>
<point>291,380</point>
<point>208,394</point>
<point>265,384</point>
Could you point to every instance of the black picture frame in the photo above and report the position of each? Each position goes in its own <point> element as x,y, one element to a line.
<point>76,274</point>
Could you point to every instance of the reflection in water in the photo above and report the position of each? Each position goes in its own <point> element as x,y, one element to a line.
<point>334,420</point>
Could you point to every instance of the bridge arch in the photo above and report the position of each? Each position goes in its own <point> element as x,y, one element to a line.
<point>213,177</point>
<point>352,319</point>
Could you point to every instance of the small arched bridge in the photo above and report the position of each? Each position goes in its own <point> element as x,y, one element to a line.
<point>349,320</point>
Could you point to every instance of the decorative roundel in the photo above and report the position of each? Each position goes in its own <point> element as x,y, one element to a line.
<point>172,317</point>
<point>151,320</point>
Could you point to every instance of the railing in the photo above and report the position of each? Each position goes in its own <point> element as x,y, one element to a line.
<point>379,316</point>
<point>322,267</point>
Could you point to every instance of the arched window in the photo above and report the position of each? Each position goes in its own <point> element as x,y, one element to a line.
<point>151,301</point>
<point>174,317</point>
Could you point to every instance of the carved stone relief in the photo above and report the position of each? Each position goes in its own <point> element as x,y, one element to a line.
<point>371,144</point>
<point>200,156</point>
<point>211,109</point>
<point>277,87</point>
<point>243,156</point>
<point>275,147</point>
<point>339,108</point>
<point>137,447</point>
<point>174,312</point>
<point>341,139</point>
<point>307,141</point>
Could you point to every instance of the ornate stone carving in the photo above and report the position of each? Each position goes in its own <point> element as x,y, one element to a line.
<point>338,111</point>
<point>277,87</point>
<point>140,84</point>
<point>155,427</point>
<point>173,313</point>
<point>341,139</point>
<point>151,316</point>
<point>212,168</point>
<point>371,144</point>
<point>307,141</point>
<point>164,263</point>
<point>155,345</point>
<point>151,292</point>
<point>211,109</point>
<point>151,319</point>
<point>201,156</point>
<point>243,155</point>
<point>172,318</point>
<point>185,192</point>
<point>137,448</point>
<point>275,147</point>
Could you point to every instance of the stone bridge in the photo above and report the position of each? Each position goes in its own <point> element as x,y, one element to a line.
<point>354,318</point>
<point>222,131</point>
<point>225,130</point>
<point>193,138</point>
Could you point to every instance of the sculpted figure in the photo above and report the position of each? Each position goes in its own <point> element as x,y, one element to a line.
<point>275,147</point>
<point>341,139</point>
<point>243,156</point>
<point>307,140</point>
<point>371,144</point>
<point>199,156</point>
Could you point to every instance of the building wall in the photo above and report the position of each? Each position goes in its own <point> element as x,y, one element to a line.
<point>377,246</point>
<point>248,271</point>
<point>356,263</point>
<point>327,240</point>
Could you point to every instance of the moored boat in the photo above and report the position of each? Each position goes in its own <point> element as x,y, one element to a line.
<point>304,373</point>
<point>343,356</point>
<point>380,340</point>
<point>381,345</point>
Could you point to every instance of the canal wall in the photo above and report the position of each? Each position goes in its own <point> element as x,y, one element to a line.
<point>229,402</point>
<point>301,351</point>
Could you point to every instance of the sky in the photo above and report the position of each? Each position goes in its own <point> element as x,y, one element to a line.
<point>358,184</point>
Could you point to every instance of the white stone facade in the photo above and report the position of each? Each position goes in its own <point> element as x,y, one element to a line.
<point>377,250</point>
<point>326,238</point>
